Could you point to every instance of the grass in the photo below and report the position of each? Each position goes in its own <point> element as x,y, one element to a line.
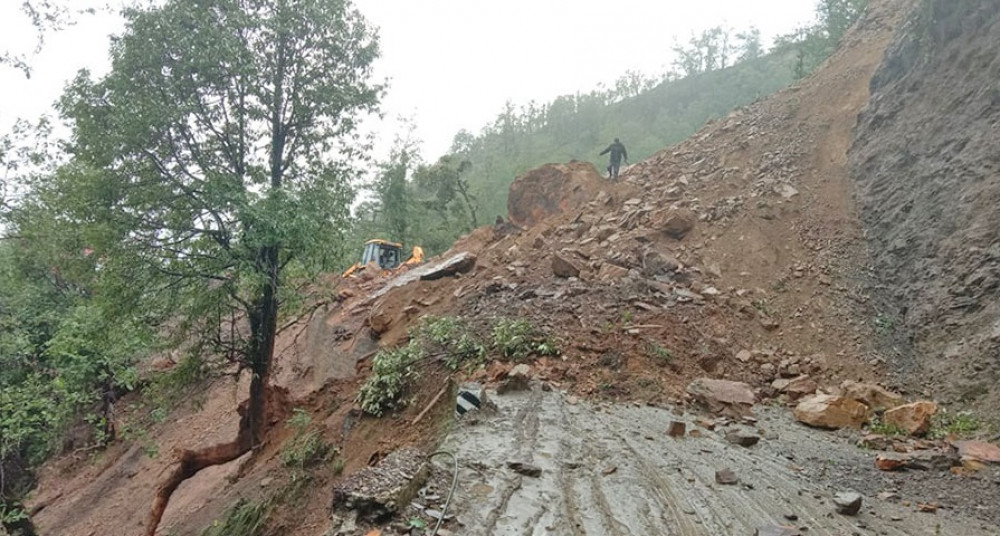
<point>245,518</point>
<point>661,355</point>
<point>307,447</point>
<point>962,425</point>
<point>877,425</point>
<point>884,324</point>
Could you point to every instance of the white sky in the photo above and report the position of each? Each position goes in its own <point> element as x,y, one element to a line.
<point>451,63</point>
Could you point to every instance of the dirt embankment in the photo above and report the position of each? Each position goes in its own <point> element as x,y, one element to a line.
<point>926,165</point>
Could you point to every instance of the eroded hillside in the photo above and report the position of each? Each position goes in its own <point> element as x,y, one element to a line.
<point>738,254</point>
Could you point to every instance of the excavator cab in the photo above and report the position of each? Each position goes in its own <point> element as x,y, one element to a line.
<point>384,255</point>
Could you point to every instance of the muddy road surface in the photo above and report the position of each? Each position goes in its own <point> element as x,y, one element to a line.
<point>614,470</point>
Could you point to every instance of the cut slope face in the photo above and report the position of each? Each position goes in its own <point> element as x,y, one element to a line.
<point>926,161</point>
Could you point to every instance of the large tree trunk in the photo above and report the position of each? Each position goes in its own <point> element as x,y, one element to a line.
<point>263,317</point>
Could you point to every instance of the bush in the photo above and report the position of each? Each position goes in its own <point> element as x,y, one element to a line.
<point>518,339</point>
<point>452,337</point>
<point>392,370</point>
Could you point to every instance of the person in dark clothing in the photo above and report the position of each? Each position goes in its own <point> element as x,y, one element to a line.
<point>618,152</point>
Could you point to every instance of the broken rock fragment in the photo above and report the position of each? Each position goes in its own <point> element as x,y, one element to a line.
<point>833,412</point>
<point>726,477</point>
<point>978,450</point>
<point>563,267</point>
<point>875,397</point>
<point>742,438</point>
<point>847,503</point>
<point>722,395</point>
<point>914,419</point>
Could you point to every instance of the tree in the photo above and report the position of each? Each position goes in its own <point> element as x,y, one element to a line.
<point>46,16</point>
<point>216,154</point>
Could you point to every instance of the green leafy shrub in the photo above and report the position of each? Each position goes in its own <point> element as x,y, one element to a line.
<point>392,370</point>
<point>518,339</point>
<point>452,337</point>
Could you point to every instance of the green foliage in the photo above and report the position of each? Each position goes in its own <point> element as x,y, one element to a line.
<point>245,518</point>
<point>518,339</point>
<point>307,446</point>
<point>452,337</point>
<point>392,370</point>
<point>877,425</point>
<point>884,324</point>
<point>962,425</point>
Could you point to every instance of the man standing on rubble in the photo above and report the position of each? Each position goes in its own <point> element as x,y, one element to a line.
<point>618,152</point>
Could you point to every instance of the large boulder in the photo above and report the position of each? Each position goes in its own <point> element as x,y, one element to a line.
<point>875,397</point>
<point>552,189</point>
<point>674,223</point>
<point>722,395</point>
<point>829,411</point>
<point>914,419</point>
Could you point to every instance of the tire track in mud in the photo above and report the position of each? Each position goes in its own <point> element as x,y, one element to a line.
<point>613,471</point>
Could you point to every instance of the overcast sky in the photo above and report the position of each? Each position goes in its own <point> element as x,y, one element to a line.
<point>451,63</point>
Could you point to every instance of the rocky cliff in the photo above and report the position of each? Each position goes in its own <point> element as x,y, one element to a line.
<point>926,164</point>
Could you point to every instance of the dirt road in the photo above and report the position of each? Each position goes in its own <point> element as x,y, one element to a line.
<point>613,470</point>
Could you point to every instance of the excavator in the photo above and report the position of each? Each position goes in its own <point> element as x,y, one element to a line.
<point>384,255</point>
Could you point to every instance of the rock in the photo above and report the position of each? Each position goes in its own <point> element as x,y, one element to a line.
<point>381,491</point>
<point>847,503</point>
<point>978,450</point>
<point>518,379</point>
<point>552,189</point>
<point>743,439</point>
<point>525,469</point>
<point>914,419</point>
<point>922,460</point>
<point>707,424</point>
<point>928,508</point>
<point>266,481</point>
<point>743,356</point>
<point>889,462</point>
<point>801,386</point>
<point>874,442</point>
<point>655,263</point>
<point>611,272</point>
<point>871,395</point>
<point>777,530</point>
<point>722,395</point>
<point>767,369</point>
<point>829,411</point>
<point>676,224</point>
<point>379,322</point>
<point>677,429</point>
<point>458,264</point>
<point>562,267</point>
<point>726,477</point>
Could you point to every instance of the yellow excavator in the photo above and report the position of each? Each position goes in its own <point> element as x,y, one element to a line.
<point>384,255</point>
